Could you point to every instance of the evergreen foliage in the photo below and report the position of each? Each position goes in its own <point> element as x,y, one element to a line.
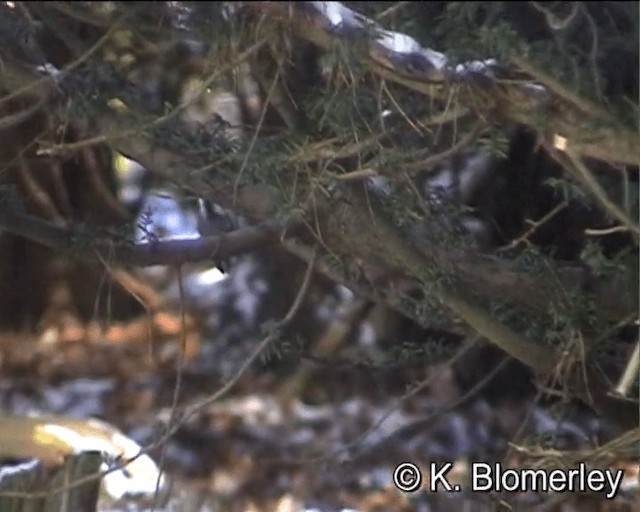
<point>328,115</point>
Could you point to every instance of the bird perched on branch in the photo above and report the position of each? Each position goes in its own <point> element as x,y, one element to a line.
<point>213,220</point>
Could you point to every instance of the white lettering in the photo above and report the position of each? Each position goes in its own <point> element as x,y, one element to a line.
<point>613,482</point>
<point>537,480</point>
<point>595,481</point>
<point>504,479</point>
<point>556,481</point>
<point>439,475</point>
<point>485,476</point>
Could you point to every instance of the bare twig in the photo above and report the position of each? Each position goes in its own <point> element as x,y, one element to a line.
<point>12,120</point>
<point>535,225</point>
<point>572,162</point>
<point>631,372</point>
<point>413,168</point>
<point>391,10</point>
<point>178,385</point>
<point>464,142</point>
<point>255,136</point>
<point>267,340</point>
<point>606,231</point>
<point>101,193</point>
<point>69,147</point>
<point>34,190</point>
<point>553,21</point>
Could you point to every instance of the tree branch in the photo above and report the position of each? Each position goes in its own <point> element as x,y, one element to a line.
<point>483,275</point>
<point>567,115</point>
<point>160,252</point>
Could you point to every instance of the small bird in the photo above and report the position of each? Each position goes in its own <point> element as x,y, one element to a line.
<point>213,220</point>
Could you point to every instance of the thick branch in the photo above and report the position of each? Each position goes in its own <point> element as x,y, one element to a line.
<point>484,276</point>
<point>161,252</point>
<point>374,235</point>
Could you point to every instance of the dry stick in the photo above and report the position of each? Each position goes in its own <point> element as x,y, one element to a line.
<point>183,251</point>
<point>606,231</point>
<point>593,54</point>
<point>553,21</point>
<point>143,294</point>
<point>255,135</point>
<point>620,446</point>
<point>415,167</point>
<point>23,150</point>
<point>631,372</point>
<point>580,171</point>
<point>69,147</point>
<point>323,150</point>
<point>100,188</point>
<point>40,198</point>
<point>59,189</point>
<point>535,225</point>
<point>585,105</point>
<point>279,98</point>
<point>391,10</point>
<point>415,126</point>
<point>103,279</point>
<point>12,120</point>
<point>464,142</point>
